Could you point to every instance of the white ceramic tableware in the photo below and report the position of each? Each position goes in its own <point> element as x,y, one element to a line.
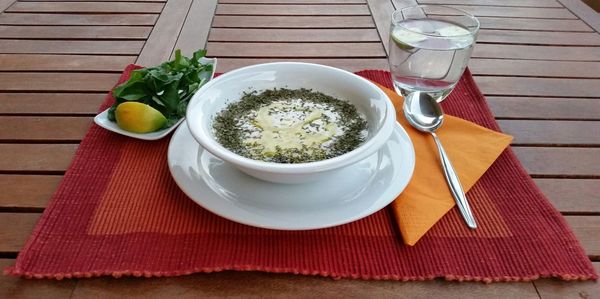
<point>369,100</point>
<point>340,197</point>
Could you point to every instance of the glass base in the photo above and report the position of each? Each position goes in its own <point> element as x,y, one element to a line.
<point>406,91</point>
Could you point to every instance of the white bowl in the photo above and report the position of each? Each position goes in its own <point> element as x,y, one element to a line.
<point>371,101</point>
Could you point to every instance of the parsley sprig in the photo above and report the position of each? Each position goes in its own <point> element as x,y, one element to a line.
<point>167,87</point>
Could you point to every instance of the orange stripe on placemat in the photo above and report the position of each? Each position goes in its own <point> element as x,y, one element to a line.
<point>489,220</point>
<point>139,200</point>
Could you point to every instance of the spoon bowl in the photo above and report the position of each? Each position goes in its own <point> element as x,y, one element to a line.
<point>423,112</point>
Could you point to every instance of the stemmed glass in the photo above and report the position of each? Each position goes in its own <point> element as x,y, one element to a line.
<point>430,46</point>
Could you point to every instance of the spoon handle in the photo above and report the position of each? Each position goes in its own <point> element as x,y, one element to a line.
<point>455,186</point>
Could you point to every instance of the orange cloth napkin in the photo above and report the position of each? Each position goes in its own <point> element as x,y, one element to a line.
<point>427,198</point>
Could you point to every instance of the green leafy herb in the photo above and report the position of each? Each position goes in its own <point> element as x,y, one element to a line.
<point>167,87</point>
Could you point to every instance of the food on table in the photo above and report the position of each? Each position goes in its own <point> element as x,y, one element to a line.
<point>289,126</point>
<point>167,88</point>
<point>139,118</point>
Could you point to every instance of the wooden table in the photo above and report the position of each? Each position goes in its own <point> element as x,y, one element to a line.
<point>537,61</point>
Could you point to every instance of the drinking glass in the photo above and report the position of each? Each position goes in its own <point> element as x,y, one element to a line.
<point>430,46</point>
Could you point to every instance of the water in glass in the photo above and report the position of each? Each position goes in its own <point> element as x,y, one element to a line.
<point>428,55</point>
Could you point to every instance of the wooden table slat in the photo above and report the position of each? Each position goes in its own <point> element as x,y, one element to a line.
<point>256,285</point>
<point>297,50</point>
<point>291,10</point>
<point>50,103</point>
<point>552,25</point>
<point>19,157</point>
<point>545,108</point>
<point>77,19</point>
<point>556,289</point>
<point>583,12</point>
<point>50,128</point>
<point>560,161</point>
<point>159,46</point>
<point>292,1</point>
<point>94,0</point>
<point>27,191</point>
<point>293,35</point>
<point>15,229</point>
<point>88,7</point>
<point>18,46</point>
<point>526,86</point>
<point>228,64</point>
<point>293,22</point>
<point>572,195</point>
<point>75,32</point>
<point>587,229</point>
<point>37,62</point>
<point>549,53</point>
<point>514,25</point>
<point>514,12</point>
<point>539,37</point>
<point>534,68</point>
<point>57,81</point>
<point>382,14</point>
<point>526,3</point>
<point>14,287</point>
<point>196,27</point>
<point>252,285</point>
<point>552,132</point>
<point>4,4</point>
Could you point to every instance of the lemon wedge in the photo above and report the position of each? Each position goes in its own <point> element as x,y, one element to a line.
<point>139,118</point>
<point>405,39</point>
<point>453,30</point>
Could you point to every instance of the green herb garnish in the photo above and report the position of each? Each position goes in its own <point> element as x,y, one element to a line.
<point>167,87</point>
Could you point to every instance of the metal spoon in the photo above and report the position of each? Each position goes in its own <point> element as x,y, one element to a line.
<point>425,114</point>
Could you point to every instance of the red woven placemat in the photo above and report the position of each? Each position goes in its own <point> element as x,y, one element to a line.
<point>119,212</point>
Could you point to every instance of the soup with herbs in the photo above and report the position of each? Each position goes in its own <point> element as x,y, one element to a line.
<point>290,126</point>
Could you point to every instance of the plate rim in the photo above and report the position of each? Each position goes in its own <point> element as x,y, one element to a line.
<point>398,130</point>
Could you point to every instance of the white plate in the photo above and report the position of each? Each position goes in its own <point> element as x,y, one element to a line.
<point>345,196</point>
<point>102,118</point>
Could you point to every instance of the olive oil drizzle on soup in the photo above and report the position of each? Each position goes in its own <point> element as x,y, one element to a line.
<point>290,126</point>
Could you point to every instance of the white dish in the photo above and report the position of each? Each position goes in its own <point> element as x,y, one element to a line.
<point>102,118</point>
<point>352,193</point>
<point>369,100</point>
